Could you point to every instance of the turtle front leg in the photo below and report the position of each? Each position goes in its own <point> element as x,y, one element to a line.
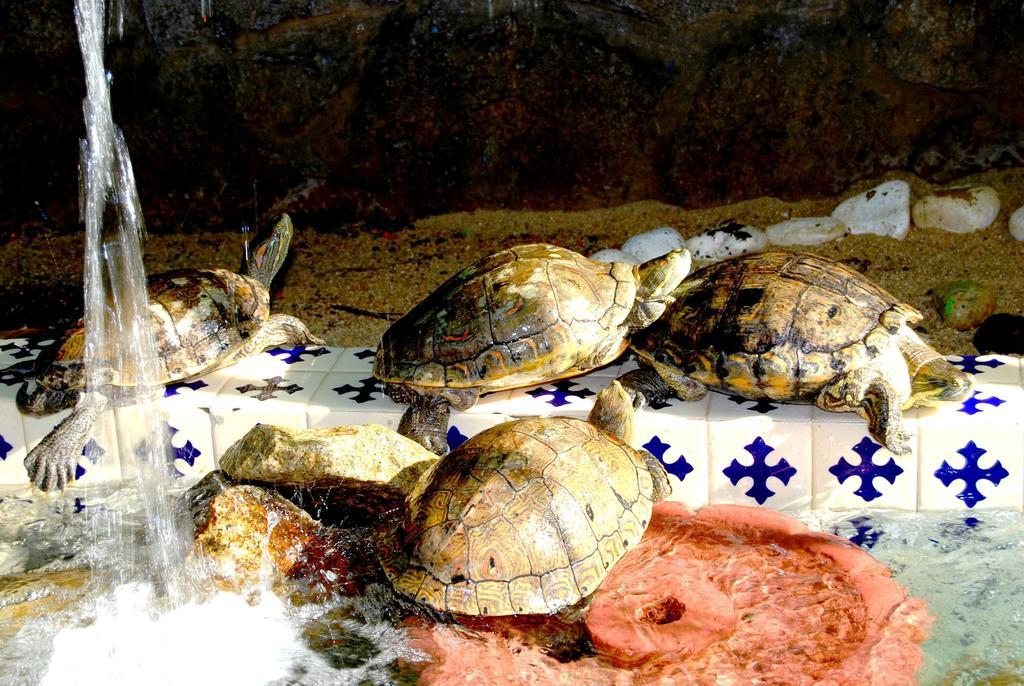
<point>426,422</point>
<point>866,392</point>
<point>656,385</point>
<point>51,464</point>
<point>279,329</point>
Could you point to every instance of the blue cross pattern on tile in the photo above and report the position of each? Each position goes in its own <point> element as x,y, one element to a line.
<point>657,447</point>
<point>270,387</point>
<point>975,404</point>
<point>186,453</point>
<point>293,355</point>
<point>29,349</point>
<point>93,452</point>
<point>761,405</point>
<point>366,354</point>
<point>15,374</point>
<point>760,471</point>
<point>560,392</point>
<point>5,448</point>
<point>455,437</point>
<point>971,474</point>
<point>865,536</point>
<point>970,363</point>
<point>366,391</point>
<point>867,470</point>
<point>174,388</point>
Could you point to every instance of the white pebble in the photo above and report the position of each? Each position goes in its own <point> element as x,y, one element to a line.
<point>654,243</point>
<point>806,231</point>
<point>727,240</point>
<point>959,210</point>
<point>883,210</point>
<point>1017,224</point>
<point>613,255</point>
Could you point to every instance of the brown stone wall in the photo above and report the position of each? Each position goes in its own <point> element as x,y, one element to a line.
<point>389,110</point>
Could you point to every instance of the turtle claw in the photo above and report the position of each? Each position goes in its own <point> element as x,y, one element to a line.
<point>897,441</point>
<point>51,470</point>
<point>51,465</point>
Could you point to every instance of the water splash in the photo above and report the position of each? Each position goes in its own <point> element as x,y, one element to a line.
<point>118,334</point>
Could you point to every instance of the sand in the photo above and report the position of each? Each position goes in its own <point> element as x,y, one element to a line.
<point>350,283</point>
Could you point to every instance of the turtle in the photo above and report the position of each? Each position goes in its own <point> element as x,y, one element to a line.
<point>202,319</point>
<point>526,517</point>
<point>525,315</point>
<point>794,327</point>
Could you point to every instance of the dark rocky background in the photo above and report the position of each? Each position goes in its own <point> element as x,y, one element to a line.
<point>384,111</point>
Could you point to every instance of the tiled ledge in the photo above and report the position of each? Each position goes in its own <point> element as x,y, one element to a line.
<point>719,450</point>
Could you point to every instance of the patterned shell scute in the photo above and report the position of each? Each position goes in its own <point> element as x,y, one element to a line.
<point>525,313</point>
<point>769,300</point>
<point>526,517</point>
<point>199,315</point>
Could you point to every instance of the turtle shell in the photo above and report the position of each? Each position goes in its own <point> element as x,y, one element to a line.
<point>774,324</point>
<point>525,518</point>
<point>198,318</point>
<point>523,315</point>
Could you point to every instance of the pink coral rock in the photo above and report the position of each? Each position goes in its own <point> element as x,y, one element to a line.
<point>738,594</point>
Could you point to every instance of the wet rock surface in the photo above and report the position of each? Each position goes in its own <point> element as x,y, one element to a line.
<point>250,535</point>
<point>389,110</point>
<point>331,456</point>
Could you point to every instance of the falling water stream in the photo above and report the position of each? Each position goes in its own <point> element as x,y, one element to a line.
<point>145,598</point>
<point>118,334</point>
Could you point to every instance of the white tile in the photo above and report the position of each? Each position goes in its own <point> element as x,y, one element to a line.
<point>989,403</point>
<point>681,443</point>
<point>729,407</point>
<point>615,369</point>
<point>770,462</point>
<point>871,476</point>
<point>972,453</point>
<point>244,402</point>
<point>282,360</point>
<point>355,361</point>
<point>12,448</point>
<point>989,368</point>
<point>572,397</point>
<point>12,437</point>
<point>15,350</point>
<point>346,398</point>
<point>188,429</point>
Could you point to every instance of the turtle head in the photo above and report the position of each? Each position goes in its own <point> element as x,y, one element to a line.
<point>938,381</point>
<point>661,487</point>
<point>655,281</point>
<point>613,412</point>
<point>269,255</point>
<point>933,379</point>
